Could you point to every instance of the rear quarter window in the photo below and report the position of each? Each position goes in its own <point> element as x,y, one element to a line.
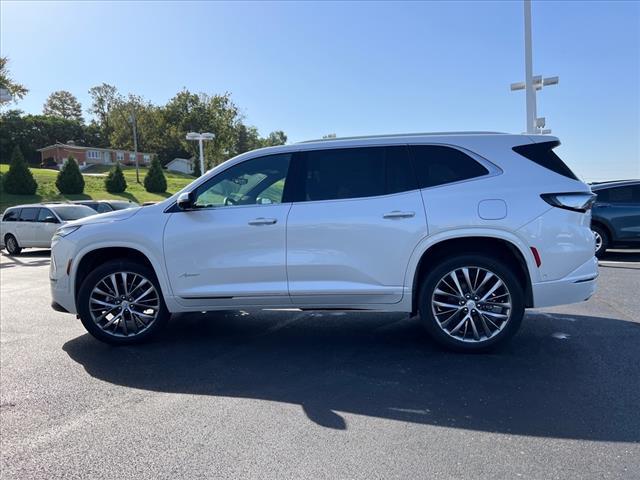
<point>11,215</point>
<point>438,165</point>
<point>543,155</point>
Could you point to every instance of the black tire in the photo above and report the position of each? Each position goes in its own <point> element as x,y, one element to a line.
<point>604,235</point>
<point>500,336</point>
<point>12,245</point>
<point>84,307</point>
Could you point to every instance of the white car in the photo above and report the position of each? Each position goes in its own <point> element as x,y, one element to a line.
<point>33,225</point>
<point>466,230</point>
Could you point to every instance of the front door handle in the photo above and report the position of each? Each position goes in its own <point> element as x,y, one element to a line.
<point>262,221</point>
<point>399,214</point>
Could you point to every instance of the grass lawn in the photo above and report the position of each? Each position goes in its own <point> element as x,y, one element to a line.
<point>93,188</point>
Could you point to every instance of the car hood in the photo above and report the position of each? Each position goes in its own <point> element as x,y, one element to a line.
<point>115,216</point>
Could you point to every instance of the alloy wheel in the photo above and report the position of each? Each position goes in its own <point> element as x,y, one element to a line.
<point>12,245</point>
<point>471,304</point>
<point>124,304</point>
<point>598,239</point>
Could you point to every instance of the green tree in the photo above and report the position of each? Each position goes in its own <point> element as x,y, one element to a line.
<point>31,132</point>
<point>103,99</point>
<point>275,138</point>
<point>19,179</point>
<point>70,180</point>
<point>63,104</point>
<point>247,139</point>
<point>155,181</point>
<point>196,167</point>
<point>16,90</point>
<point>115,181</point>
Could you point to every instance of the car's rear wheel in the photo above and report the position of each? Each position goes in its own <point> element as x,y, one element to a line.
<point>13,248</point>
<point>121,303</point>
<point>602,240</point>
<point>471,303</point>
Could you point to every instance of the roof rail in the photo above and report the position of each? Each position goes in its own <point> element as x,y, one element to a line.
<point>396,135</point>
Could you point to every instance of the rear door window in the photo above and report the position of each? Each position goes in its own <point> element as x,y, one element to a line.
<point>29,214</point>
<point>343,173</point>
<point>439,165</point>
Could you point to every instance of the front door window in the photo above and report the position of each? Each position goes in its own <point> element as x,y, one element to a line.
<point>254,182</point>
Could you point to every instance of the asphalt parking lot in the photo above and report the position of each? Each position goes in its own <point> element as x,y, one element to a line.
<point>319,395</point>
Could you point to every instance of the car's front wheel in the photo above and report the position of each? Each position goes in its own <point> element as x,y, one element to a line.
<point>121,303</point>
<point>471,303</point>
<point>13,247</point>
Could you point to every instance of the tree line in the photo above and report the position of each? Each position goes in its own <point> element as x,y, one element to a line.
<point>161,129</point>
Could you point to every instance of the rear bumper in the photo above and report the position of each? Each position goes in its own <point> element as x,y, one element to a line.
<point>576,287</point>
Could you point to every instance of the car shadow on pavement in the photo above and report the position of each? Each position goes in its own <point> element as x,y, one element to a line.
<point>29,258</point>
<point>621,256</point>
<point>562,376</point>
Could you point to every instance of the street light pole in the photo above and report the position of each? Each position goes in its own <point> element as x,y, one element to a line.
<point>201,137</point>
<point>532,83</point>
<point>201,155</point>
<point>528,68</point>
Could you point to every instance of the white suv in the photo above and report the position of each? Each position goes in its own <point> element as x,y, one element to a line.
<point>467,230</point>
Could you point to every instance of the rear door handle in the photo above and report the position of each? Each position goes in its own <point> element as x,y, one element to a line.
<point>262,221</point>
<point>399,214</point>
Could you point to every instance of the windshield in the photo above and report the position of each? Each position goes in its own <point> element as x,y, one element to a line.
<point>73,212</point>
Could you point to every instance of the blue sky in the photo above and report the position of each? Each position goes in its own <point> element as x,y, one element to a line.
<point>353,68</point>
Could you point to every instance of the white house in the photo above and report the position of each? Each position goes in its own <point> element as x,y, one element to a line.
<point>182,165</point>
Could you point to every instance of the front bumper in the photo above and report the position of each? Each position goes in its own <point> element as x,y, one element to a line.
<point>576,287</point>
<point>61,286</point>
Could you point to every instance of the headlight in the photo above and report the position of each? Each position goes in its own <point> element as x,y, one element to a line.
<point>64,231</point>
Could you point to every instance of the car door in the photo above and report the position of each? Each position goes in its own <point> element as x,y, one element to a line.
<point>44,228</point>
<point>356,218</point>
<point>230,248</point>
<point>620,207</point>
<point>26,227</point>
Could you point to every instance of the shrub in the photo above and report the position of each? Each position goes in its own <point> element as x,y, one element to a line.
<point>154,181</point>
<point>70,180</point>
<point>19,179</point>
<point>115,181</point>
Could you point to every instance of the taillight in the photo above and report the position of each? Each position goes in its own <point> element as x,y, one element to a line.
<point>575,201</point>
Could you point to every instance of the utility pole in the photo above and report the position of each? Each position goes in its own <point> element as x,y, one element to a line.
<point>135,143</point>
<point>532,83</point>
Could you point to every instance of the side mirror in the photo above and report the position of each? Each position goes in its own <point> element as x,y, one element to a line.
<point>51,220</point>
<point>185,201</point>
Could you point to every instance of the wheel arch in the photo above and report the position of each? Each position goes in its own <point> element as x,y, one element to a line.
<point>509,250</point>
<point>605,226</point>
<point>90,258</point>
